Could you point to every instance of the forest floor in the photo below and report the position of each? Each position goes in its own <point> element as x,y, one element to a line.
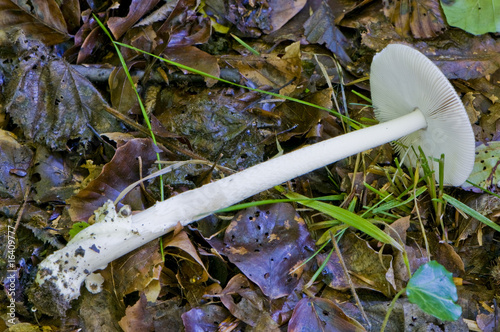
<point>74,135</point>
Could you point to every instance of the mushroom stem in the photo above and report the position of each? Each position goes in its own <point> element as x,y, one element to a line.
<point>198,203</point>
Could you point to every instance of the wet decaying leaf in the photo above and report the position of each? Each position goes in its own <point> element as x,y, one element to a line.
<point>247,303</point>
<point>119,25</point>
<point>266,243</point>
<point>416,255</point>
<point>204,318</point>
<point>56,177</point>
<point>271,71</point>
<point>213,123</point>
<point>464,57</point>
<point>182,242</point>
<point>136,270</point>
<point>364,264</point>
<point>321,29</point>
<point>488,322</point>
<point>254,18</point>
<point>122,95</point>
<point>40,19</point>
<point>489,123</point>
<point>191,273</point>
<point>299,119</point>
<point>157,316</point>
<point>195,58</point>
<point>317,314</point>
<point>468,58</point>
<point>100,311</point>
<point>15,160</point>
<point>51,102</point>
<point>282,12</point>
<point>185,25</point>
<point>157,15</point>
<point>94,39</point>
<point>116,175</point>
<point>143,38</point>
<point>137,318</point>
<point>480,98</point>
<point>446,255</point>
<point>423,18</point>
<point>71,12</point>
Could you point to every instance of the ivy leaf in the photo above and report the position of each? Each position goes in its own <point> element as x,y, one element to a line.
<point>474,16</point>
<point>486,173</point>
<point>433,290</point>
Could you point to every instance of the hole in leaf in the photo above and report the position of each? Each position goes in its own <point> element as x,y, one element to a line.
<point>237,298</point>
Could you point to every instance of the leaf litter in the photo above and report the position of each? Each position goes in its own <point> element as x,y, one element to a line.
<point>254,269</point>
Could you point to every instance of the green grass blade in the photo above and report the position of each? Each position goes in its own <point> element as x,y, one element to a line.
<point>320,270</point>
<point>362,96</point>
<point>353,123</point>
<point>471,212</point>
<point>139,99</point>
<point>483,189</point>
<point>245,45</point>
<point>274,201</point>
<point>348,218</point>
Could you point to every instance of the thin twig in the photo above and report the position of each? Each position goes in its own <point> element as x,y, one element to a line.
<point>417,175</point>
<point>348,277</point>
<point>21,210</point>
<point>99,74</point>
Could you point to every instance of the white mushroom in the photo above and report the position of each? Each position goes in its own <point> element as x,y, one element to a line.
<point>415,104</point>
<point>403,80</point>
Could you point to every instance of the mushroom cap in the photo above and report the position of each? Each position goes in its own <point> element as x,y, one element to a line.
<point>403,79</point>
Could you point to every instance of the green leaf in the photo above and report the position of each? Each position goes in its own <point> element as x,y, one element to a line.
<point>77,228</point>
<point>474,16</point>
<point>471,212</point>
<point>348,218</point>
<point>486,173</point>
<point>431,287</point>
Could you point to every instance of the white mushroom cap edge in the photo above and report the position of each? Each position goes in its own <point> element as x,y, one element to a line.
<point>403,79</point>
